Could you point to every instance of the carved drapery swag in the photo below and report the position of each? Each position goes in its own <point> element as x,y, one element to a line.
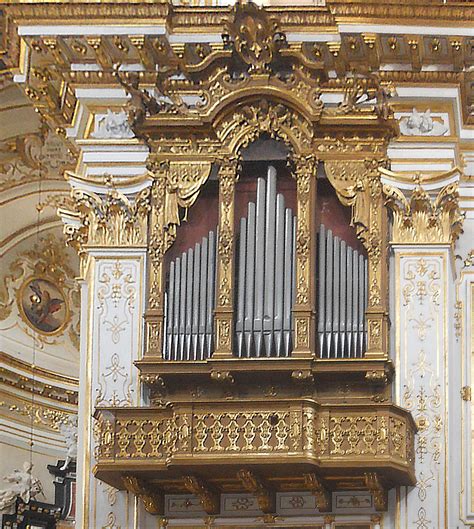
<point>183,184</point>
<point>358,185</point>
<point>175,188</point>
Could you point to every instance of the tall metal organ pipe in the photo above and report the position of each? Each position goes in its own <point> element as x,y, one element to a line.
<point>265,289</point>
<point>342,298</point>
<point>190,303</point>
<point>265,276</point>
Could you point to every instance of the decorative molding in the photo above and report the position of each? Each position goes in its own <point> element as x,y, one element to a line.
<point>40,413</point>
<point>31,384</point>
<point>26,369</point>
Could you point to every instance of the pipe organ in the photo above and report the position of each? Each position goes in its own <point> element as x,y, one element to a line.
<point>265,274</point>
<point>265,288</point>
<point>190,302</point>
<point>341,298</point>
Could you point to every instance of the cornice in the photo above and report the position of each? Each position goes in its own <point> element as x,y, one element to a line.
<point>45,374</point>
<point>312,17</point>
<point>68,12</point>
<point>386,12</point>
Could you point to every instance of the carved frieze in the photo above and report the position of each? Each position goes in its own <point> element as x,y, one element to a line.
<point>160,435</point>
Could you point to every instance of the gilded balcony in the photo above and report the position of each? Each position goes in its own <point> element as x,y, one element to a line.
<point>283,445</point>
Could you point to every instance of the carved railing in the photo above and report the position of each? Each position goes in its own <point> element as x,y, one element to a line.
<point>334,439</point>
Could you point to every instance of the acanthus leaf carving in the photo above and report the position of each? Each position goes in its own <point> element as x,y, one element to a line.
<point>320,491</point>
<point>421,218</point>
<point>108,220</point>
<point>152,499</point>
<point>257,486</point>
<point>209,499</point>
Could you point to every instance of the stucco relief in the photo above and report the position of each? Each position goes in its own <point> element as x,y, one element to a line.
<point>423,124</point>
<point>421,300</point>
<point>116,304</point>
<point>112,125</point>
<point>35,157</point>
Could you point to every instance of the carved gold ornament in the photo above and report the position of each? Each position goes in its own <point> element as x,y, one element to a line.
<point>253,34</point>
<point>108,220</point>
<point>421,218</point>
<point>41,282</point>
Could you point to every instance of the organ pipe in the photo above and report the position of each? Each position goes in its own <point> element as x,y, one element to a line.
<point>265,289</point>
<point>265,279</point>
<point>190,302</point>
<point>342,298</point>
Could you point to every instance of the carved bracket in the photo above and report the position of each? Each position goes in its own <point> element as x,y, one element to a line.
<point>377,377</point>
<point>266,498</point>
<point>320,492</point>
<point>379,493</point>
<point>209,499</point>
<point>151,498</point>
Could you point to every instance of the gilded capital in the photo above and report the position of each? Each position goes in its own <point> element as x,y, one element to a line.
<point>111,219</point>
<point>422,218</point>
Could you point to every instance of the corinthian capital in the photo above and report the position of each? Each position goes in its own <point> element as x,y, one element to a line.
<point>424,218</point>
<point>112,219</point>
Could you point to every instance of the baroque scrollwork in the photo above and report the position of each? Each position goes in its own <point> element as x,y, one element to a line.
<point>358,185</point>
<point>39,293</point>
<point>277,120</point>
<point>362,89</point>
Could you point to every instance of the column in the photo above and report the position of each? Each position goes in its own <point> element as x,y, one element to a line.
<point>110,231</point>
<point>225,260</point>
<point>425,229</point>
<point>304,308</point>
